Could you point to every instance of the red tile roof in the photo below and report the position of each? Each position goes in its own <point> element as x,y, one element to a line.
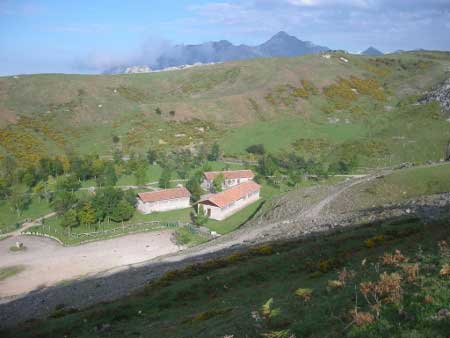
<point>164,195</point>
<point>230,174</point>
<point>222,199</point>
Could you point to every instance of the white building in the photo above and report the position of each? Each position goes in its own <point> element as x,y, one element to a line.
<point>163,200</point>
<point>231,178</point>
<point>224,204</point>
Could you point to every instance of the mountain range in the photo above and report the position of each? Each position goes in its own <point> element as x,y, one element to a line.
<point>279,45</point>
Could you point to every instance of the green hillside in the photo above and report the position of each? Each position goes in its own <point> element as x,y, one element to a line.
<point>316,106</point>
<point>388,280</point>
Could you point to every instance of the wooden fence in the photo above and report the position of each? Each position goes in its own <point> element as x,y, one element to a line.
<point>85,237</point>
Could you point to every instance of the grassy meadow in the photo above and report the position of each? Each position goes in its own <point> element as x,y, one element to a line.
<point>399,186</point>
<point>310,288</point>
<point>367,106</point>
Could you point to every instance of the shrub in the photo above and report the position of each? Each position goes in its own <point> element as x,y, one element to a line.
<point>256,149</point>
<point>234,257</point>
<point>388,289</point>
<point>362,318</point>
<point>443,249</point>
<point>305,294</point>
<point>268,311</point>
<point>315,274</point>
<point>345,91</point>
<point>428,299</point>
<point>412,272</point>
<point>328,264</point>
<point>262,250</point>
<point>170,275</point>
<point>345,275</point>
<point>60,311</point>
<point>16,248</point>
<point>371,242</point>
<point>278,334</point>
<point>394,259</point>
<point>445,271</point>
<point>335,284</point>
<point>310,87</point>
<point>209,314</point>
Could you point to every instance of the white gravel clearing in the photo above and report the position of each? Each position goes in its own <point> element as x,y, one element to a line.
<point>48,263</point>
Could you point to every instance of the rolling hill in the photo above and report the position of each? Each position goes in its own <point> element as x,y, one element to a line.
<point>328,105</point>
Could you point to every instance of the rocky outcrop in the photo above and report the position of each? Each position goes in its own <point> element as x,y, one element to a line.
<point>440,94</point>
<point>137,69</point>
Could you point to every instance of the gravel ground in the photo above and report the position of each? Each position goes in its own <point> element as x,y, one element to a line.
<point>48,263</point>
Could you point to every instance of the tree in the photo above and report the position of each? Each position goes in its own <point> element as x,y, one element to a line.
<point>340,167</point>
<point>115,139</point>
<point>140,174</point>
<point>19,200</point>
<point>108,178</point>
<point>199,217</point>
<point>105,201</point>
<point>8,168</point>
<point>117,156</point>
<point>40,190</point>
<point>267,165</point>
<point>4,188</point>
<point>87,214</point>
<point>164,180</point>
<point>214,154</point>
<point>172,113</point>
<point>68,183</point>
<point>294,177</point>
<point>64,201</point>
<point>152,156</point>
<point>158,111</point>
<point>28,178</point>
<point>50,167</point>
<point>122,212</point>
<point>202,155</point>
<point>193,185</point>
<point>130,197</point>
<point>256,149</point>
<point>77,167</point>
<point>70,219</point>
<point>218,182</point>
<point>97,167</point>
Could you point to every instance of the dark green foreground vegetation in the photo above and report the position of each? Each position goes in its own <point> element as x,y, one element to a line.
<point>378,280</point>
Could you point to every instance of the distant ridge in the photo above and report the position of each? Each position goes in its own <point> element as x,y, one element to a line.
<point>279,45</point>
<point>372,51</point>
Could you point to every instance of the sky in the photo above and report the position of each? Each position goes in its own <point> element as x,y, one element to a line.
<point>54,36</point>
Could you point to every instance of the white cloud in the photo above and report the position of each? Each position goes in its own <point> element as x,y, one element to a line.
<point>352,24</point>
<point>322,3</point>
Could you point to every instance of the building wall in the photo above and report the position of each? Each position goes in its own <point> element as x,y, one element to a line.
<point>228,183</point>
<point>179,203</point>
<point>220,214</point>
